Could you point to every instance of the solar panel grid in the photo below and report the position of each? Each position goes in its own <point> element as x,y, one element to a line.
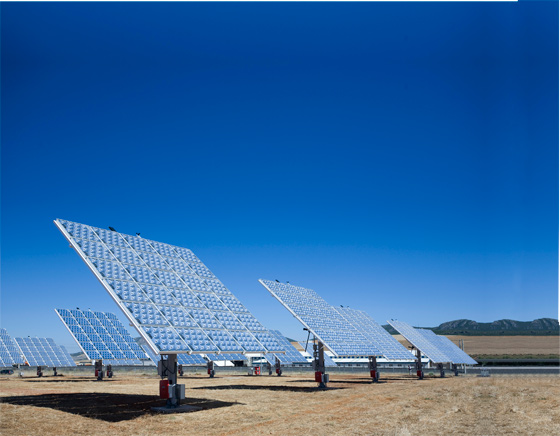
<point>168,293</point>
<point>43,352</point>
<point>418,340</point>
<point>365,324</point>
<point>455,354</point>
<point>102,336</point>
<point>9,351</point>
<point>318,316</point>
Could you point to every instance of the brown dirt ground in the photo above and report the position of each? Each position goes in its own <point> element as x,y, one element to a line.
<point>505,344</point>
<point>243,405</point>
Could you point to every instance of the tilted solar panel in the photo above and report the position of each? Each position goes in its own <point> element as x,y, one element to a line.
<point>322,320</point>
<point>9,351</point>
<point>172,299</point>
<point>43,352</point>
<point>365,324</point>
<point>102,336</point>
<point>456,355</point>
<point>434,352</point>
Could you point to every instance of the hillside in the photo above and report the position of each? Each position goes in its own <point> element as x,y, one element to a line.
<point>509,327</point>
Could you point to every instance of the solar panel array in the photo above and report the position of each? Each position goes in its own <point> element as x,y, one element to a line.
<point>454,353</point>
<point>418,340</point>
<point>44,352</point>
<point>366,325</point>
<point>9,351</point>
<point>321,319</point>
<point>168,294</point>
<point>291,356</point>
<point>328,359</point>
<point>102,336</point>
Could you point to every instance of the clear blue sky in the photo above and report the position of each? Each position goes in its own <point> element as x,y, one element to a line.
<point>399,158</point>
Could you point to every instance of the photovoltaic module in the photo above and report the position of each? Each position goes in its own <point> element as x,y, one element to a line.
<point>172,299</point>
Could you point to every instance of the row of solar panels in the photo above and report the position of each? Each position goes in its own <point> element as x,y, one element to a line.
<point>350,332</point>
<point>33,351</point>
<point>179,306</point>
<point>108,344</point>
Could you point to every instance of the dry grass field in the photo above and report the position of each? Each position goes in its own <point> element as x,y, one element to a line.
<point>529,345</point>
<point>244,405</point>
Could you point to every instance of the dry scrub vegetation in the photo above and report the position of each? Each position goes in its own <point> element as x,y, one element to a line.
<point>242,405</point>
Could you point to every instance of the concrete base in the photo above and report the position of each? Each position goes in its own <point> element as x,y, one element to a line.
<point>183,408</point>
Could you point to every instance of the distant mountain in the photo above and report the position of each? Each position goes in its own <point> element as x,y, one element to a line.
<point>538,327</point>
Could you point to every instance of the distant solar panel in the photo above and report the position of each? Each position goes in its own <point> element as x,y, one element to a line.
<point>365,324</point>
<point>9,351</point>
<point>291,356</point>
<point>102,336</point>
<point>455,354</point>
<point>44,352</point>
<point>328,359</point>
<point>322,320</point>
<point>172,299</point>
<point>418,340</point>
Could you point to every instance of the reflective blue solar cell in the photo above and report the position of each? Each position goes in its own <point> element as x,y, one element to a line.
<point>455,354</point>
<point>163,286</point>
<point>322,320</point>
<point>103,336</point>
<point>433,351</point>
<point>43,352</point>
<point>387,344</point>
<point>9,351</point>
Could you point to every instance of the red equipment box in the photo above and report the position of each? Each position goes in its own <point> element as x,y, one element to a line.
<point>164,389</point>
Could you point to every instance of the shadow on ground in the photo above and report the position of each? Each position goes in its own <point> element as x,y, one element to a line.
<point>268,388</point>
<point>106,407</point>
<point>68,380</point>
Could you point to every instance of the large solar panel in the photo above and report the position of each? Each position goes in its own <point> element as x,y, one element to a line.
<point>291,356</point>
<point>102,336</point>
<point>327,358</point>
<point>44,352</point>
<point>172,299</point>
<point>455,354</point>
<point>418,340</point>
<point>365,324</point>
<point>322,320</point>
<point>9,351</point>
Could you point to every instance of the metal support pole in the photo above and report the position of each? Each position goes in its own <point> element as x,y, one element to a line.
<point>441,370</point>
<point>373,369</point>
<point>319,365</point>
<point>210,368</point>
<point>419,370</point>
<point>169,389</point>
<point>99,369</point>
